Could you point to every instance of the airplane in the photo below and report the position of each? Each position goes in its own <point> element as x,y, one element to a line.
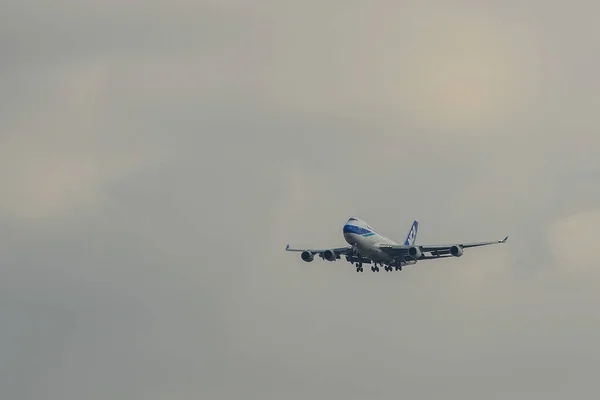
<point>367,246</point>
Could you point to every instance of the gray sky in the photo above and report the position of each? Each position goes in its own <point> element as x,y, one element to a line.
<point>157,156</point>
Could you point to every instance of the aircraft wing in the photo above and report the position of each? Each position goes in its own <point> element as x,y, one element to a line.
<point>441,248</point>
<point>435,251</point>
<point>337,251</point>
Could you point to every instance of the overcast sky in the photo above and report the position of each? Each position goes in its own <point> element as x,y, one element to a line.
<point>156,157</point>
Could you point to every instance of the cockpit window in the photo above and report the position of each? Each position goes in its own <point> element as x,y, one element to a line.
<point>372,230</point>
<point>352,219</point>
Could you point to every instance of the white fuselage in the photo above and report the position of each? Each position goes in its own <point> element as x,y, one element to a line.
<point>366,240</point>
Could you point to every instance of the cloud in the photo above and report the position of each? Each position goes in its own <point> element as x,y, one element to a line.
<point>458,69</point>
<point>156,158</point>
<point>573,241</point>
<point>63,154</point>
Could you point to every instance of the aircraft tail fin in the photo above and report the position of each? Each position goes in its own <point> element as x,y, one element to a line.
<point>412,234</point>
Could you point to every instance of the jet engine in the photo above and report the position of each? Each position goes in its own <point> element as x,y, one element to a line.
<point>456,251</point>
<point>307,256</point>
<point>414,252</point>
<point>329,255</point>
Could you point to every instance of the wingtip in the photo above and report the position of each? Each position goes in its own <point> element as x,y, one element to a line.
<point>505,239</point>
<point>287,246</point>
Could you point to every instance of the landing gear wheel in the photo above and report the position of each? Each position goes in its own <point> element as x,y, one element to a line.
<point>377,269</point>
<point>399,268</point>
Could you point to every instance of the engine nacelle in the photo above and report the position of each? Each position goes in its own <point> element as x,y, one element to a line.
<point>307,256</point>
<point>456,251</point>
<point>329,255</point>
<point>414,252</point>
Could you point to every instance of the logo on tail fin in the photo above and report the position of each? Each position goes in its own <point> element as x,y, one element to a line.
<point>412,234</point>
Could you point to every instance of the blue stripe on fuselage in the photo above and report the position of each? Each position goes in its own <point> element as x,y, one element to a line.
<point>357,230</point>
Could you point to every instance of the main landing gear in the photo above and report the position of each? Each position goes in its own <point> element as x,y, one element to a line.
<point>387,268</point>
<point>375,267</point>
<point>390,268</point>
